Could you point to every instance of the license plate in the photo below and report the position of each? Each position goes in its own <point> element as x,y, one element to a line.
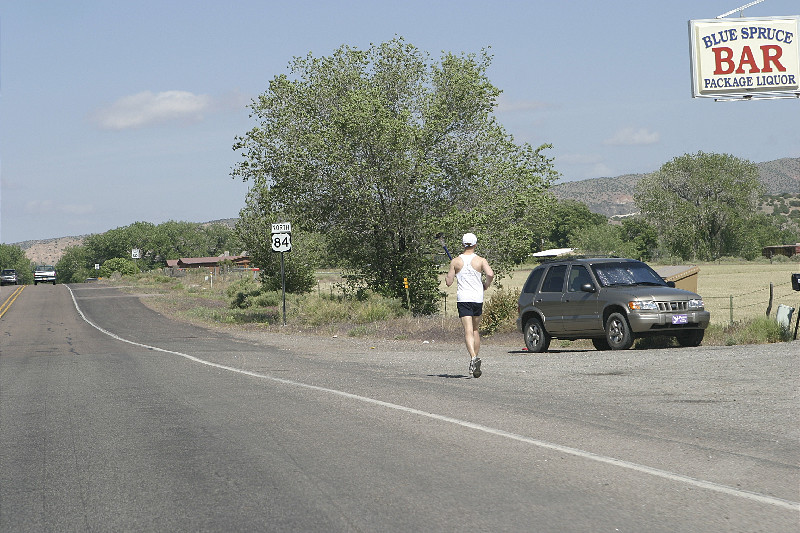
<point>680,319</point>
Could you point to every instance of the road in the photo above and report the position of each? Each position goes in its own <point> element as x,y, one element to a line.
<point>114,418</point>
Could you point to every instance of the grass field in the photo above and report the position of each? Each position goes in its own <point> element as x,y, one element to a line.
<point>748,286</point>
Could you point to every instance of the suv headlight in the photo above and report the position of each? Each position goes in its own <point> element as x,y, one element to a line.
<point>697,303</point>
<point>643,306</point>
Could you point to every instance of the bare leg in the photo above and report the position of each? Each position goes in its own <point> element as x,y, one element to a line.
<point>476,324</point>
<point>469,335</point>
<point>472,336</point>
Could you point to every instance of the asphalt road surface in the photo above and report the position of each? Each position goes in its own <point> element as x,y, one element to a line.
<point>113,418</point>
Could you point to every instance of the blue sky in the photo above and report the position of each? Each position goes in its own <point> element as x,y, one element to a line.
<point>113,112</point>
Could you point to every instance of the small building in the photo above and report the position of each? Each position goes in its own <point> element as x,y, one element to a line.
<point>785,249</point>
<point>684,276</point>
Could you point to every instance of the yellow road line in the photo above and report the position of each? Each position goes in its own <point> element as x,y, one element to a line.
<point>10,300</point>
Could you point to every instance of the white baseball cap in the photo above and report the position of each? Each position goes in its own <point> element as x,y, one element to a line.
<point>469,239</point>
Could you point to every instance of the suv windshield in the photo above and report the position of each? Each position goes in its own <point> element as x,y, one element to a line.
<point>626,273</point>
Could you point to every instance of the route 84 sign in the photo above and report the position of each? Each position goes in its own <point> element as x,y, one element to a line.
<point>281,242</point>
<point>282,237</point>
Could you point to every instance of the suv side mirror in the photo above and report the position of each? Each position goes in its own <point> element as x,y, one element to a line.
<point>588,287</point>
<point>671,284</point>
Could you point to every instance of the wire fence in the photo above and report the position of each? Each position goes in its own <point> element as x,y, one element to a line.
<point>751,304</point>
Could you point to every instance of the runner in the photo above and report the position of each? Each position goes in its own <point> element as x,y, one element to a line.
<point>469,269</point>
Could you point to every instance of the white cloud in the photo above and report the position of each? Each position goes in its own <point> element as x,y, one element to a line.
<point>147,108</point>
<point>48,207</point>
<point>633,136</point>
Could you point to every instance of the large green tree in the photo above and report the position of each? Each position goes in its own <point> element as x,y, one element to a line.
<point>567,217</point>
<point>12,256</point>
<point>603,239</point>
<point>379,150</point>
<point>700,203</point>
<point>76,264</point>
<point>641,235</point>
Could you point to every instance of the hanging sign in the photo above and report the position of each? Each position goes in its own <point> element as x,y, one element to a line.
<point>745,56</point>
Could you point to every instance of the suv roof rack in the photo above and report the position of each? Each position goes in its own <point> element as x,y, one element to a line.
<point>571,257</point>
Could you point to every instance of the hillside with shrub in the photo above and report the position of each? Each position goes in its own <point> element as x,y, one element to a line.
<point>614,195</point>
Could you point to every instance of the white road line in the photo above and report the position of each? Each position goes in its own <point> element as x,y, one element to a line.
<point>680,478</point>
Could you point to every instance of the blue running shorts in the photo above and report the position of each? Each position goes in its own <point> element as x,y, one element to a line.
<point>470,308</point>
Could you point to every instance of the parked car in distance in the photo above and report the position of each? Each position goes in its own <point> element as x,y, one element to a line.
<point>8,276</point>
<point>611,301</point>
<point>44,274</point>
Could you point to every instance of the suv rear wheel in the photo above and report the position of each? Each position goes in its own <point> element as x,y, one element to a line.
<point>618,332</point>
<point>536,338</point>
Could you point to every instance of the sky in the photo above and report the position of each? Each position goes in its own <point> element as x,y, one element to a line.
<point>113,112</point>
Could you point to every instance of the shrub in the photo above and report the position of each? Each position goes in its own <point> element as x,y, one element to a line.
<point>323,311</point>
<point>369,307</point>
<point>242,293</point>
<point>125,267</point>
<point>757,331</point>
<point>499,310</point>
<point>375,308</point>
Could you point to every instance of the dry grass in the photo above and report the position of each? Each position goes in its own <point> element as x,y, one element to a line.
<point>748,285</point>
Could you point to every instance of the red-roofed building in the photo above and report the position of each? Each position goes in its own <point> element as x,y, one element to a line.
<point>786,249</point>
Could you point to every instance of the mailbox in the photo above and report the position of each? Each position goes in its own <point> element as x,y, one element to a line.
<point>796,282</point>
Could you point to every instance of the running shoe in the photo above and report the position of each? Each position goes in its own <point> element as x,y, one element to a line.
<point>475,367</point>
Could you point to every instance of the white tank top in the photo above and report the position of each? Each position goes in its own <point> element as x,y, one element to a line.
<point>470,284</point>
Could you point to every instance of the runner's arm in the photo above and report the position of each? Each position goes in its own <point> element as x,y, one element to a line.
<point>489,273</point>
<point>451,274</point>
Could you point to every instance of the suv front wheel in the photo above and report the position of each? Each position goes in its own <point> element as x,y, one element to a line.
<point>618,332</point>
<point>601,344</point>
<point>536,338</point>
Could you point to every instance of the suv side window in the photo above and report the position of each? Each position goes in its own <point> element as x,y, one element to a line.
<point>554,280</point>
<point>533,280</point>
<point>578,275</point>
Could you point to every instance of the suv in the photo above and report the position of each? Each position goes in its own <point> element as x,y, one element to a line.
<point>8,276</point>
<point>44,274</point>
<point>611,301</point>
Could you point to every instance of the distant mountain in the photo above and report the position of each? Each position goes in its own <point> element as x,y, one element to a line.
<point>614,196</point>
<point>781,176</point>
<point>48,251</point>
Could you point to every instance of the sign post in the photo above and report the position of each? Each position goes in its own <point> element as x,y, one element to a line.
<point>282,242</point>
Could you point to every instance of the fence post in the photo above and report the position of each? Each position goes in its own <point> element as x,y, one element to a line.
<point>731,296</point>
<point>769,306</point>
